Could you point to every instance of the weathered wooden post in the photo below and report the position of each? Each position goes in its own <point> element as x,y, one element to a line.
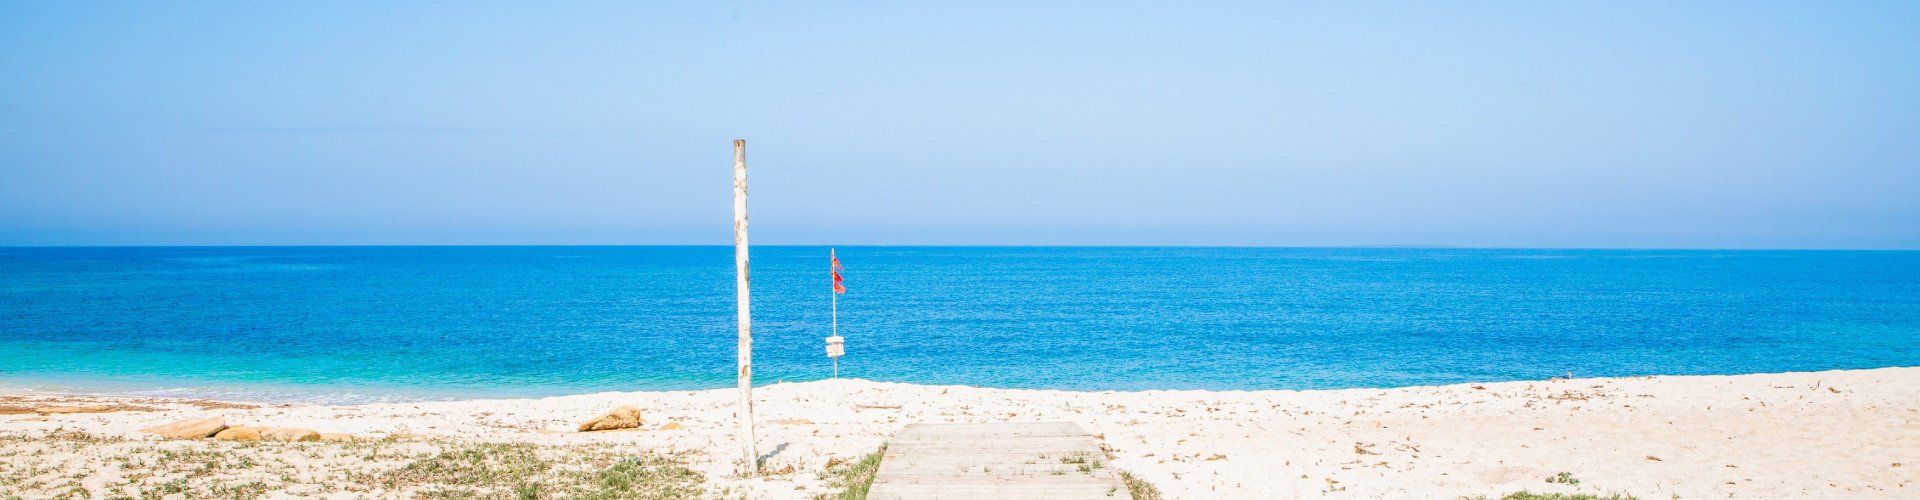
<point>740,268</point>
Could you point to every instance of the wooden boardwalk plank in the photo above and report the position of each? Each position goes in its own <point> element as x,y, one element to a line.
<point>1050,460</point>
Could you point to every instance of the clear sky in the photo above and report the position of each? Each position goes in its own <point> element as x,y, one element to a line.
<point>1610,124</point>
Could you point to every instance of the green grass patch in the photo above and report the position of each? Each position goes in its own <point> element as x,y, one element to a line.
<point>32,467</point>
<point>483,464</point>
<point>853,479</point>
<point>1528,495</point>
<point>1140,489</point>
<point>633,478</point>
<point>527,471</point>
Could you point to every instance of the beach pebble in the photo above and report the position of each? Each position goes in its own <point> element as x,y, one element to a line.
<point>625,417</point>
<point>189,429</point>
<point>290,434</point>
<point>676,426</point>
<point>238,434</point>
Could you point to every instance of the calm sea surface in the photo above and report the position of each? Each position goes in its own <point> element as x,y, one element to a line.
<point>401,323</point>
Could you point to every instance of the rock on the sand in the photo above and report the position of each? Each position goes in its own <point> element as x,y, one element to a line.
<point>239,434</point>
<point>189,429</point>
<point>625,417</point>
<point>290,434</point>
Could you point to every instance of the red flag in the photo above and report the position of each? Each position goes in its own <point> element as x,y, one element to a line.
<point>837,287</point>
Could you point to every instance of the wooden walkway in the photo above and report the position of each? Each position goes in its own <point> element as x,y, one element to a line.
<point>1041,460</point>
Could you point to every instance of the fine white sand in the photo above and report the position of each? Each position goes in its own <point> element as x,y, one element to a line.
<point>1833,434</point>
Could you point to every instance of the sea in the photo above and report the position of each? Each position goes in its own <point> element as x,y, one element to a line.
<point>372,324</point>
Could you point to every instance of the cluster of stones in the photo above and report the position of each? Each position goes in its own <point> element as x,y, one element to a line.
<point>216,428</point>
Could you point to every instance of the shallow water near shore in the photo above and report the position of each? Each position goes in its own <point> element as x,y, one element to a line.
<point>353,324</point>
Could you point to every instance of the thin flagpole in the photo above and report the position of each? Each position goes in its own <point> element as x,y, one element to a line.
<point>833,293</point>
<point>835,296</point>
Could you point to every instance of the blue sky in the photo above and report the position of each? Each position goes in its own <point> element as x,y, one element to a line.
<point>1610,124</point>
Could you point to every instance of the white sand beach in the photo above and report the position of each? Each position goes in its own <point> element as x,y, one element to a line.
<point>1852,434</point>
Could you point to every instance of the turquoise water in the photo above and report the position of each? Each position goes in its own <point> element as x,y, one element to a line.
<point>403,323</point>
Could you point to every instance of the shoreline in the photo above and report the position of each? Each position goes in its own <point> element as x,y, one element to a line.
<point>1781,434</point>
<point>317,395</point>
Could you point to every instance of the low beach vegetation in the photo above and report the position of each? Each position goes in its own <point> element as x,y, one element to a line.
<point>1528,495</point>
<point>851,480</point>
<point>1139,488</point>
<point>58,464</point>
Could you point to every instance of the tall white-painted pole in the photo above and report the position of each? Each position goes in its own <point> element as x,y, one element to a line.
<point>751,465</point>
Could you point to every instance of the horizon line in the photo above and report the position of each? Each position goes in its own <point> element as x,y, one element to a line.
<point>873,245</point>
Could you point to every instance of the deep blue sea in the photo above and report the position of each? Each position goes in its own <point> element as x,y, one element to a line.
<point>401,323</point>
